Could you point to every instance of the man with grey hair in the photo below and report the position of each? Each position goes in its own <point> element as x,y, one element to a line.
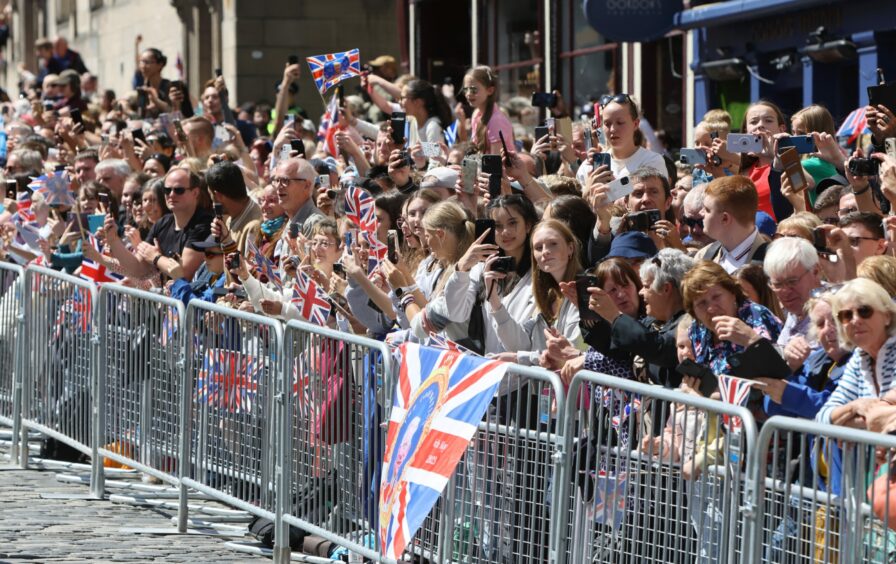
<point>692,217</point>
<point>24,160</point>
<point>112,173</point>
<point>793,270</point>
<point>294,181</point>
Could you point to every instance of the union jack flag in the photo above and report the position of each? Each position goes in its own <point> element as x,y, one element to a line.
<point>311,301</point>
<point>228,379</point>
<point>331,69</point>
<point>443,343</point>
<point>170,325</point>
<point>263,265</point>
<point>360,208</point>
<point>27,230</point>
<point>376,250</point>
<point>855,124</point>
<point>77,311</point>
<point>450,133</point>
<point>93,271</point>
<point>609,499</point>
<point>55,188</point>
<point>329,125</point>
<point>735,391</point>
<point>440,399</point>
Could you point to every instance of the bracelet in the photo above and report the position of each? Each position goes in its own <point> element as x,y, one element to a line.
<point>404,290</point>
<point>407,300</point>
<point>155,261</point>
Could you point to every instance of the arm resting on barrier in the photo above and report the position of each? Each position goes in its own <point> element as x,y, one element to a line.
<point>848,389</point>
<point>656,347</point>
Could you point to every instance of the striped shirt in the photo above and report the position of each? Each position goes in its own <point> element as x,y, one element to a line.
<point>862,378</point>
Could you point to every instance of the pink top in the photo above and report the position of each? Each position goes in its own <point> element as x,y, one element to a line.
<point>498,122</point>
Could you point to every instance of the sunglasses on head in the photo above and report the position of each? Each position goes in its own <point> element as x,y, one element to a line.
<point>618,98</point>
<point>846,315</point>
<point>179,190</point>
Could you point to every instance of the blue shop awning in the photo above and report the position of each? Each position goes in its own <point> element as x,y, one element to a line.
<point>719,13</point>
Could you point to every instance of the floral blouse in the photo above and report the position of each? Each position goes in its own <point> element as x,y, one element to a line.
<point>715,353</point>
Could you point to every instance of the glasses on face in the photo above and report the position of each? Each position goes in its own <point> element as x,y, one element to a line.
<point>854,241</point>
<point>618,98</point>
<point>786,283</point>
<point>844,211</point>
<point>846,315</point>
<point>179,190</point>
<point>469,90</point>
<point>321,244</point>
<point>211,254</point>
<point>693,222</point>
<point>283,180</point>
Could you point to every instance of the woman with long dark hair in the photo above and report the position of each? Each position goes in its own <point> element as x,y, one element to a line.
<point>421,100</point>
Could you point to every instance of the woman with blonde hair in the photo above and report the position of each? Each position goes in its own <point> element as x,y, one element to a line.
<point>880,269</point>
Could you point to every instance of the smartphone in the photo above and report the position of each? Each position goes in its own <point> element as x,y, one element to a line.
<point>503,264</point>
<point>491,164</point>
<point>804,144</point>
<point>284,153</point>
<point>860,166</point>
<point>137,133</point>
<point>289,121</point>
<point>339,269</point>
<point>820,239</point>
<point>642,220</point>
<point>11,189</point>
<point>392,246</point>
<point>179,131</point>
<point>218,72</point>
<point>790,158</point>
<point>349,238</point>
<point>541,131</point>
<point>691,156</point>
<point>744,143</point>
<point>294,228</point>
<point>323,181</point>
<point>219,209</point>
<point>544,99</point>
<point>602,159</point>
<point>398,123</point>
<point>470,171</point>
<point>75,113</point>
<point>104,199</point>
<point>620,188</point>
<point>583,282</point>
<point>292,60</point>
<point>882,95</point>
<point>233,261</point>
<point>299,146</point>
<point>483,225</point>
<point>708,380</point>
<point>504,147</point>
<point>564,127</point>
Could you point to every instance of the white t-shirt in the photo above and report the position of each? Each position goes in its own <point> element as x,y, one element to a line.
<point>642,158</point>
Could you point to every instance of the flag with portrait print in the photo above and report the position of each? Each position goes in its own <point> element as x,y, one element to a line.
<point>332,68</point>
<point>55,187</point>
<point>439,399</point>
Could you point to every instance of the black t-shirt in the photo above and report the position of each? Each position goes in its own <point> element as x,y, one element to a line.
<point>172,241</point>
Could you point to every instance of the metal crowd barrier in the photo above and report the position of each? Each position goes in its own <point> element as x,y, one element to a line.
<point>58,385</point>
<point>140,377</point>
<point>626,496</point>
<point>12,329</point>
<point>819,496</point>
<point>331,443</point>
<point>229,409</point>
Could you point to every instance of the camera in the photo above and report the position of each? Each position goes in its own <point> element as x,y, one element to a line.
<point>859,166</point>
<point>642,220</point>
<point>503,264</point>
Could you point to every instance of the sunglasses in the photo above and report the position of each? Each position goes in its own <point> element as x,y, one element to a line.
<point>618,98</point>
<point>692,222</point>
<point>210,253</point>
<point>846,315</point>
<point>179,190</point>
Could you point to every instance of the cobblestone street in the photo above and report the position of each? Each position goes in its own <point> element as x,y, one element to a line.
<point>34,529</point>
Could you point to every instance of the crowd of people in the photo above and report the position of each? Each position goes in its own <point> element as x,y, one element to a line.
<point>422,215</point>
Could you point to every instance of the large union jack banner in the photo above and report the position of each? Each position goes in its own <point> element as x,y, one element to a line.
<point>331,69</point>
<point>440,399</point>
